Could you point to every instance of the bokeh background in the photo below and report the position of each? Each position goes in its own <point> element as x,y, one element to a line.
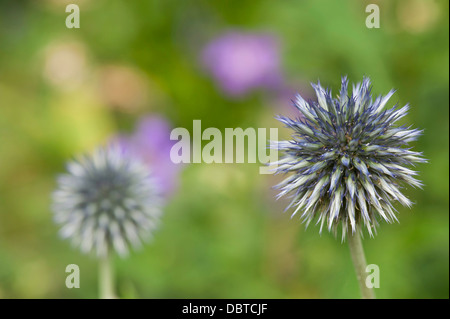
<point>136,69</point>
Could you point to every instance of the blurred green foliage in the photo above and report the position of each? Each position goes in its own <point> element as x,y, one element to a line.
<point>223,235</point>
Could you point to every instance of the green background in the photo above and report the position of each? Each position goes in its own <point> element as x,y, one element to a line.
<point>223,235</point>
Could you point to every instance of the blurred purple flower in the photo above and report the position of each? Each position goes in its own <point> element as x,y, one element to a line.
<point>241,62</point>
<point>151,143</point>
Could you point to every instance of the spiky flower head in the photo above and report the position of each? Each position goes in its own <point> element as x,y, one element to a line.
<point>347,159</point>
<point>106,201</point>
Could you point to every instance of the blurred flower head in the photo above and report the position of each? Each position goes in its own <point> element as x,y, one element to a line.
<point>106,201</point>
<point>123,87</point>
<point>151,143</point>
<point>65,65</point>
<point>240,62</point>
<point>417,16</point>
<point>347,159</point>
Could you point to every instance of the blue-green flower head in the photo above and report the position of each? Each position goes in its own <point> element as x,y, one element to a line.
<point>106,201</point>
<point>347,160</point>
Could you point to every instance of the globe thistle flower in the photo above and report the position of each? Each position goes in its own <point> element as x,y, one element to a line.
<point>106,201</point>
<point>347,159</point>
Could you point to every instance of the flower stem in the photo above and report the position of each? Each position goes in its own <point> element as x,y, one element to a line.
<point>359,262</point>
<point>106,278</point>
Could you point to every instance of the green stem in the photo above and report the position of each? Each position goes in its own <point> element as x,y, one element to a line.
<point>106,278</point>
<point>359,261</point>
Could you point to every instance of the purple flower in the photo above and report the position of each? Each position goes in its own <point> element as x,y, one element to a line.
<point>151,143</point>
<point>240,62</point>
<point>347,159</point>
